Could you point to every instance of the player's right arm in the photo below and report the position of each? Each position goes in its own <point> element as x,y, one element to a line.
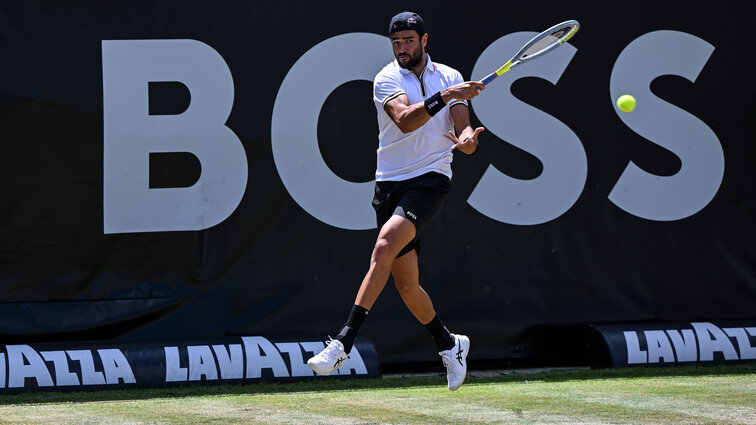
<point>411,117</point>
<point>407,117</point>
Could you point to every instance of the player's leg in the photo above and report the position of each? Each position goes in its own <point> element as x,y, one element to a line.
<point>453,348</point>
<point>394,235</point>
<point>407,281</point>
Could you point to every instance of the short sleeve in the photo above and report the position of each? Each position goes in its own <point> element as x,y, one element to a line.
<point>386,86</point>
<point>456,78</point>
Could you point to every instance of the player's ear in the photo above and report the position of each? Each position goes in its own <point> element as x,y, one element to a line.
<point>424,39</point>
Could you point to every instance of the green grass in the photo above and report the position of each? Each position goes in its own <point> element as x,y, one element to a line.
<point>690,395</point>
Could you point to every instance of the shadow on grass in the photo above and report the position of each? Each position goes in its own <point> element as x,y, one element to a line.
<point>336,384</point>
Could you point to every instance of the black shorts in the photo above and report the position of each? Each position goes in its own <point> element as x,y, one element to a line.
<point>418,199</point>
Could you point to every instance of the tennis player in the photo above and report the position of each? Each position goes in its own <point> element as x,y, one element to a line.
<point>423,117</point>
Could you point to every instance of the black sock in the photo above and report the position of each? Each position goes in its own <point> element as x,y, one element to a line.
<point>351,327</point>
<point>441,335</point>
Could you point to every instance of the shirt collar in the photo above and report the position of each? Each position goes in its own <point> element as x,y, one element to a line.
<point>429,65</point>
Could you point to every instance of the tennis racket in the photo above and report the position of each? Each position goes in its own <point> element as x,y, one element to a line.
<point>538,46</point>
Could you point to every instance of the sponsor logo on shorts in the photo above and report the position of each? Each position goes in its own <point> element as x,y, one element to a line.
<point>411,214</point>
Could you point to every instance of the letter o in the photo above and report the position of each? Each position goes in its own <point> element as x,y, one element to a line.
<point>294,128</point>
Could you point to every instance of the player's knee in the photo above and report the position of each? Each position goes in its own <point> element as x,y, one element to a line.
<point>404,286</point>
<point>383,252</point>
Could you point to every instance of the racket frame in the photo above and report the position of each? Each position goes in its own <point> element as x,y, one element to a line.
<point>517,59</point>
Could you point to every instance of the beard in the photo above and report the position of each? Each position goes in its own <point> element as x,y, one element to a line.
<point>412,59</point>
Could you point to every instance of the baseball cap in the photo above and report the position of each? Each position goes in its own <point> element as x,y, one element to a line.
<point>406,21</point>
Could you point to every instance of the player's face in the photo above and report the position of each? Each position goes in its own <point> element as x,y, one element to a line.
<point>409,48</point>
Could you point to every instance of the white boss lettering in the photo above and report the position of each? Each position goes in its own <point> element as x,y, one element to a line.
<point>335,61</point>
<point>643,194</point>
<point>551,194</point>
<point>131,134</point>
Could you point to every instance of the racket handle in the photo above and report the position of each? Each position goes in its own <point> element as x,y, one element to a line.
<point>490,77</point>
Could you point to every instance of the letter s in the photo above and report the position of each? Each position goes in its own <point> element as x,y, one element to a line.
<point>551,194</point>
<point>688,191</point>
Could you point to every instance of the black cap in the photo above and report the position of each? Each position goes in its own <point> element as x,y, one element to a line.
<point>406,21</point>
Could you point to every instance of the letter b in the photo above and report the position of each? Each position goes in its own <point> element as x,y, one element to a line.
<point>131,134</point>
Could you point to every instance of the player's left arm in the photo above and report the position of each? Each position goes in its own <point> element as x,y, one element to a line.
<point>466,139</point>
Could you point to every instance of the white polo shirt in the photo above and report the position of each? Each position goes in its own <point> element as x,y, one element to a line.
<point>404,156</point>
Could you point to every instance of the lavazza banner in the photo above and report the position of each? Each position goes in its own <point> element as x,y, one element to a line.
<point>76,367</point>
<point>675,343</point>
<point>201,170</point>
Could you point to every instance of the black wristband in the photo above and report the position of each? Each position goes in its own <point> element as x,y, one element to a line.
<point>434,104</point>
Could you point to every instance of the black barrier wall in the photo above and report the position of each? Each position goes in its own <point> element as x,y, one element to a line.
<point>202,169</point>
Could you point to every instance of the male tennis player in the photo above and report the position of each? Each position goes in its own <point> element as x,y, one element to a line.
<point>420,104</point>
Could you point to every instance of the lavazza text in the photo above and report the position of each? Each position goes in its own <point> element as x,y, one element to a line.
<point>254,358</point>
<point>699,344</point>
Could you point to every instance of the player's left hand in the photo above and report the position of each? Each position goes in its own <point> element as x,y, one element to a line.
<point>469,144</point>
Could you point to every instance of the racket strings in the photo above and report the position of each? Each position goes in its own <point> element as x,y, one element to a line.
<point>546,42</point>
<point>540,44</point>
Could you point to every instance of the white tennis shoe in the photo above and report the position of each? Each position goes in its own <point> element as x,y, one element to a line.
<point>455,361</point>
<point>330,359</point>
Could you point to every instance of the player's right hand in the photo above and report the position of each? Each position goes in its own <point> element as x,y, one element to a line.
<point>463,91</point>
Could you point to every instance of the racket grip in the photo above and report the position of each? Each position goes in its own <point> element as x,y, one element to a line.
<point>490,77</point>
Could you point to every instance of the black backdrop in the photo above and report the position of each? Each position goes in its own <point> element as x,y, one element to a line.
<point>519,291</point>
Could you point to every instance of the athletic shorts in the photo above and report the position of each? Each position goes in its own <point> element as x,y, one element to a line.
<point>418,199</point>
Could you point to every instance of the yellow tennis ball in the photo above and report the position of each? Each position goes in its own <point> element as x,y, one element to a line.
<point>626,103</point>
